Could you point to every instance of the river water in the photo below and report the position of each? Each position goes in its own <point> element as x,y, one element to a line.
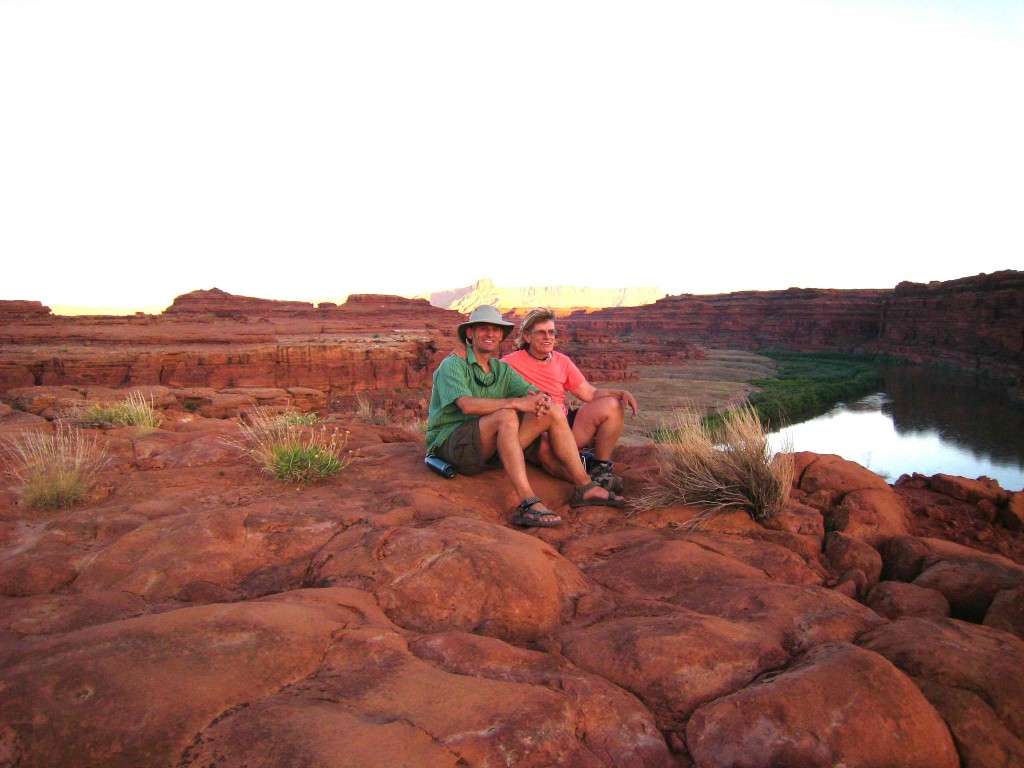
<point>925,420</point>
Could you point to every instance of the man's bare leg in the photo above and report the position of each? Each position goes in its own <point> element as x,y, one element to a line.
<point>560,457</point>
<point>499,432</point>
<point>600,421</point>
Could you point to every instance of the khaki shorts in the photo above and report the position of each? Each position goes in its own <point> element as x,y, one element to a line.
<point>464,449</point>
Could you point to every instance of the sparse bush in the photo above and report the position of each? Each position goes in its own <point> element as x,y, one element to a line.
<point>133,411</point>
<point>728,468</point>
<point>300,419</point>
<point>56,470</point>
<point>367,413</point>
<point>289,451</point>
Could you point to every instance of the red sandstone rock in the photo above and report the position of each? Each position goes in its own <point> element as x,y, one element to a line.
<point>965,489</point>
<point>674,663</point>
<point>845,553</point>
<point>903,558</point>
<point>894,600</point>
<point>874,515</point>
<point>970,583</point>
<point>835,474</point>
<point>171,524</point>
<point>840,705</point>
<point>140,689</point>
<point>1013,515</point>
<point>1007,611</point>
<point>372,702</point>
<point>973,322</point>
<point>511,585</point>
<point>974,675</point>
<point>798,518</point>
<point>618,730</point>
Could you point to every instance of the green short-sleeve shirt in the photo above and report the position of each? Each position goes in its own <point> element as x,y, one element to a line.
<point>456,378</point>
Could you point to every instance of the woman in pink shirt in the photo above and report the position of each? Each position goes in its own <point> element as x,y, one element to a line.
<point>601,417</point>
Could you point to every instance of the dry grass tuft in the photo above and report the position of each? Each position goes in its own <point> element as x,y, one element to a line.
<point>289,450</point>
<point>56,470</point>
<point>731,468</point>
<point>133,411</point>
<point>368,413</point>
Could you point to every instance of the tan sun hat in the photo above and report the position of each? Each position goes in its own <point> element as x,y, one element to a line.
<point>486,314</point>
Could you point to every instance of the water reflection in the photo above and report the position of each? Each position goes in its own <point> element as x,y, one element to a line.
<point>926,421</point>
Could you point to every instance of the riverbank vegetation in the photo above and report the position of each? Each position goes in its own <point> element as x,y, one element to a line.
<point>809,382</point>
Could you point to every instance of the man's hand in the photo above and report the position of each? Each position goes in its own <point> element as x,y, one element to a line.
<point>628,401</point>
<point>537,402</point>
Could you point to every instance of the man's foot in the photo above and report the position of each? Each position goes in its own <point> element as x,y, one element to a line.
<point>593,495</point>
<point>532,512</point>
<point>601,472</point>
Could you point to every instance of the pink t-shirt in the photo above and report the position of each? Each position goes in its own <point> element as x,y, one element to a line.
<point>554,377</point>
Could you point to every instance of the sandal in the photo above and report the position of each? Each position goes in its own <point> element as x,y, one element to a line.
<point>579,500</point>
<point>601,472</point>
<point>526,516</point>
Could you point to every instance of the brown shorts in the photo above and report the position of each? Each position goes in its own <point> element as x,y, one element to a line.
<point>463,448</point>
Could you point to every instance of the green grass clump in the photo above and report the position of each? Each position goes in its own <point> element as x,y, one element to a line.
<point>289,450</point>
<point>300,419</point>
<point>731,467</point>
<point>56,470</point>
<point>134,411</point>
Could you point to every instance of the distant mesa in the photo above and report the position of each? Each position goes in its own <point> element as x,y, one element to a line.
<point>553,296</point>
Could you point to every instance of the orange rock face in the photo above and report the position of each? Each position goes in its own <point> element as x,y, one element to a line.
<point>194,611</point>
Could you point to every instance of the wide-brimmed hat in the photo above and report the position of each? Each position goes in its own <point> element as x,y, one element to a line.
<point>486,314</point>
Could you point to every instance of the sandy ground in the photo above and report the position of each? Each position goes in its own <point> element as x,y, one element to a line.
<point>706,385</point>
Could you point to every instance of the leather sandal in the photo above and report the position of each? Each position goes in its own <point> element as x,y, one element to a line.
<point>526,516</point>
<point>579,500</point>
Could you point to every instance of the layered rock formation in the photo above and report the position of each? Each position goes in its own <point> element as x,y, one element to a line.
<point>976,323</point>
<point>803,318</point>
<point>386,345</point>
<point>194,612</point>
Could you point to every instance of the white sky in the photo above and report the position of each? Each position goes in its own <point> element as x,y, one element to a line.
<point>308,150</point>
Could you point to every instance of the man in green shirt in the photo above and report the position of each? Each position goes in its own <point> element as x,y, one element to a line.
<point>483,414</point>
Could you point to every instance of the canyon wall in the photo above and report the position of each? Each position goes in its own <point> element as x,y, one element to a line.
<point>800,318</point>
<point>215,340</point>
<point>975,323</point>
<point>389,345</point>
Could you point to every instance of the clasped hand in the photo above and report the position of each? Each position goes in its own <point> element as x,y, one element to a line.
<point>538,402</point>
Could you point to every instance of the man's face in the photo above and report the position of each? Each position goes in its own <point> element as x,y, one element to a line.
<point>484,337</point>
<point>541,338</point>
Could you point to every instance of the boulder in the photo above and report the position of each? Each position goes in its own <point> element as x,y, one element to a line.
<point>839,705</point>
<point>510,585</point>
<point>964,489</point>
<point>845,553</point>
<point>1007,611</point>
<point>973,674</point>
<point>140,689</point>
<point>834,473</point>
<point>674,663</point>
<point>970,583</point>
<point>874,515</point>
<point>903,558</point>
<point>375,702</point>
<point>895,599</point>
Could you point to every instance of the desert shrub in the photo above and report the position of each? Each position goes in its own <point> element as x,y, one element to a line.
<point>300,419</point>
<point>288,450</point>
<point>56,470</point>
<point>368,413</point>
<point>133,411</point>
<point>728,467</point>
